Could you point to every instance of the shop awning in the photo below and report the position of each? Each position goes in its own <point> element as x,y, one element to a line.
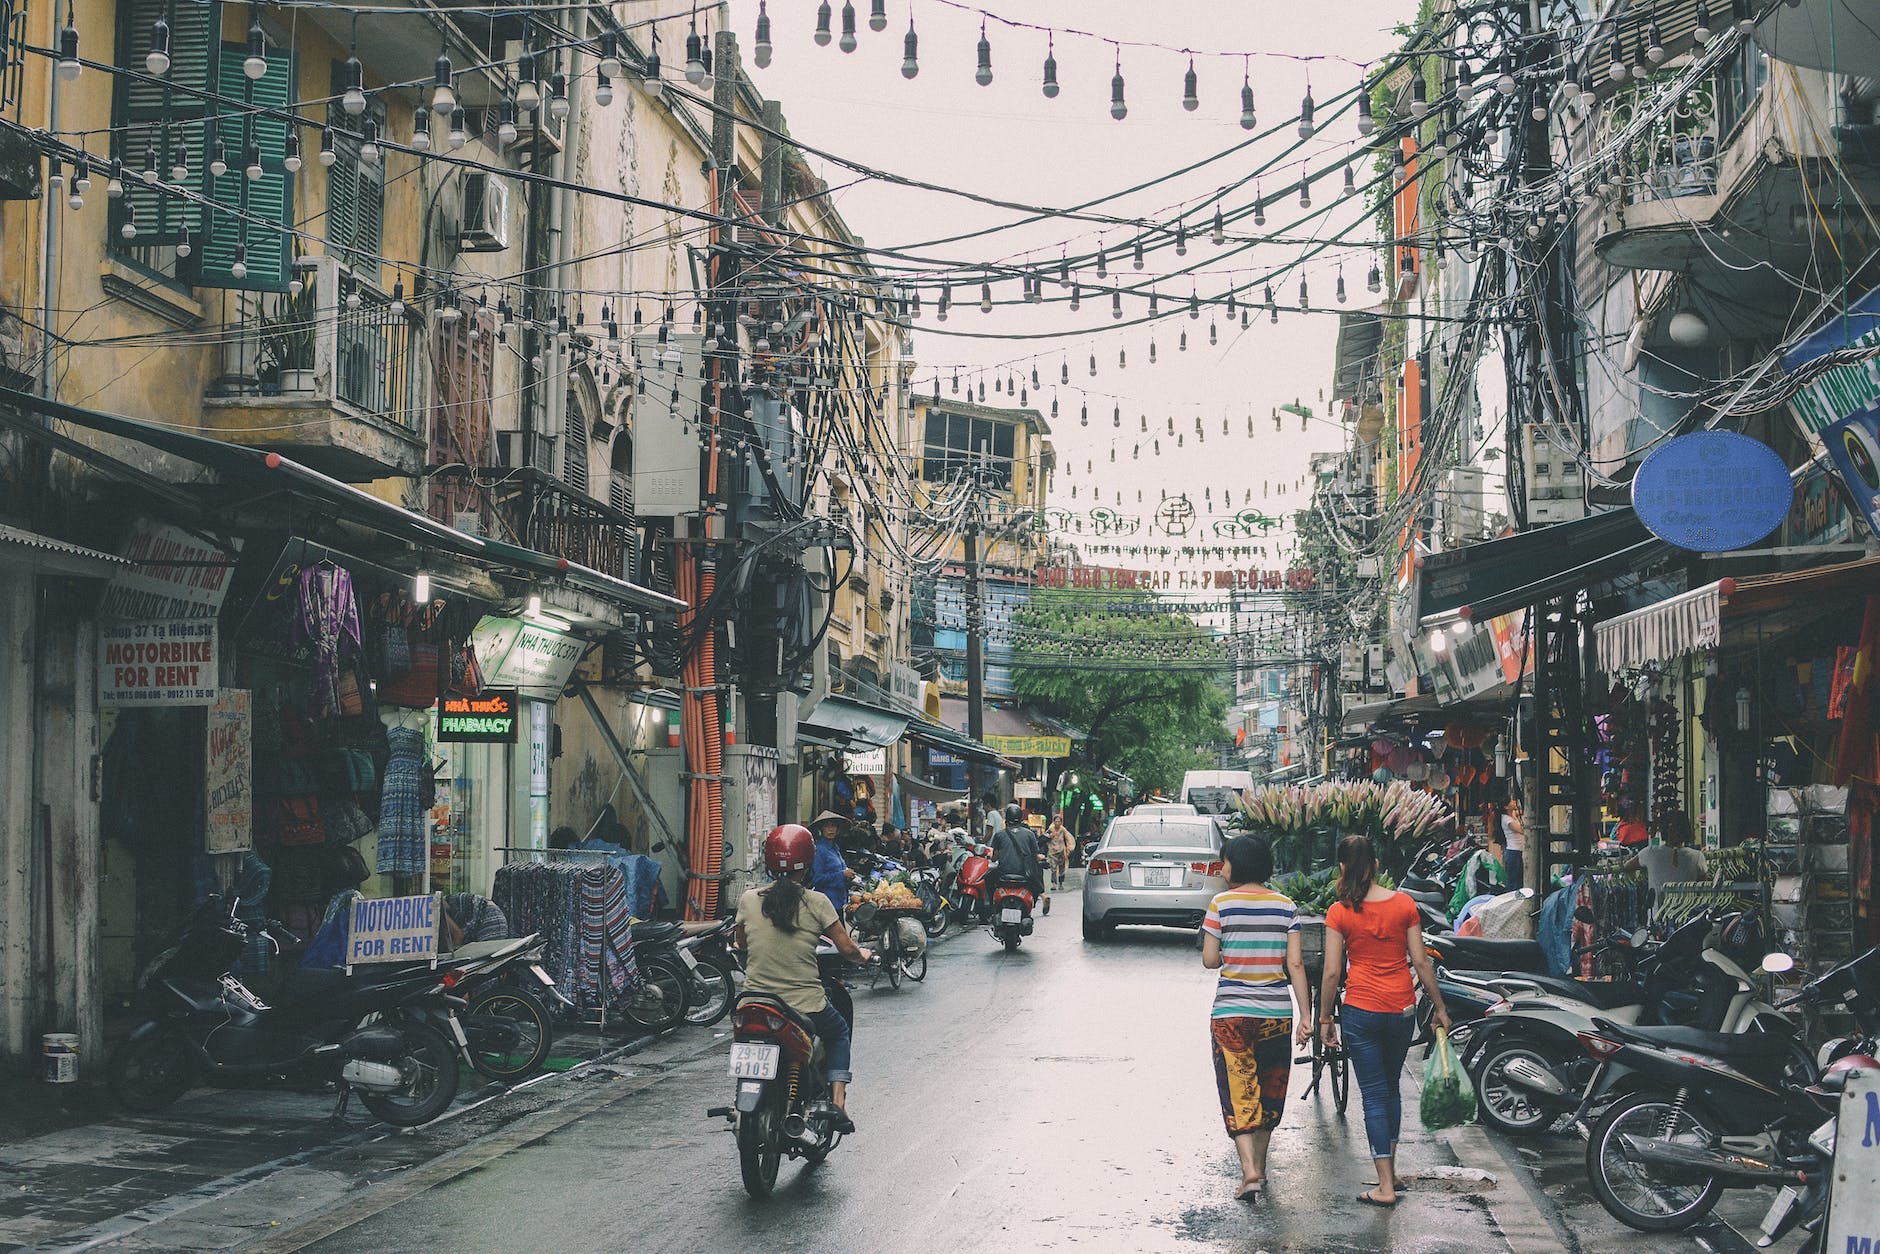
<point>928,792</point>
<point>957,743</point>
<point>1361,717</point>
<point>23,550</point>
<point>842,723</point>
<point>1683,624</point>
<point>1497,576</point>
<point>261,469</point>
<point>1763,607</point>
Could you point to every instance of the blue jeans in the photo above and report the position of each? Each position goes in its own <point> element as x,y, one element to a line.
<point>1511,860</point>
<point>833,1031</point>
<point>1378,1044</point>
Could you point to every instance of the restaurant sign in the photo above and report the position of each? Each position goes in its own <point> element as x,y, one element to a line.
<point>1712,491</point>
<point>1029,746</point>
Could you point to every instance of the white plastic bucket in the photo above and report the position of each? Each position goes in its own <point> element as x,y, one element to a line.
<point>58,1057</point>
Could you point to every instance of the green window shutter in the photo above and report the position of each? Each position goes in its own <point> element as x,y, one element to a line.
<point>162,114</point>
<point>355,192</point>
<point>257,212</point>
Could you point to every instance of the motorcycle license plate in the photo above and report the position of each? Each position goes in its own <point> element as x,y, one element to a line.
<point>754,1060</point>
<point>1011,914</point>
<point>691,963</point>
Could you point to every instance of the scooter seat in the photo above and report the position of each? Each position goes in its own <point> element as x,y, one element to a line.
<point>1434,897</point>
<point>654,932</point>
<point>1013,880</point>
<point>777,1004</point>
<point>1747,1047</point>
<point>1476,953</point>
<point>1605,994</point>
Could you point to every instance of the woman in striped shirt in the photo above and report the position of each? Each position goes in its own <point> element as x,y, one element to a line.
<point>1251,935</point>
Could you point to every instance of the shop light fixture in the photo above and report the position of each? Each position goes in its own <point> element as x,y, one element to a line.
<point>535,604</point>
<point>421,588</point>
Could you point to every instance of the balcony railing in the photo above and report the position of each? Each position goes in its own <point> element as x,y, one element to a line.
<point>1677,154</point>
<point>339,340</point>
<point>539,511</point>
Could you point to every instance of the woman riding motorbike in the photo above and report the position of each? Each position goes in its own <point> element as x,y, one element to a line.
<point>778,927</point>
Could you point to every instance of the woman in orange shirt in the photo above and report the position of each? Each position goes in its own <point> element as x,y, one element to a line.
<point>1373,936</point>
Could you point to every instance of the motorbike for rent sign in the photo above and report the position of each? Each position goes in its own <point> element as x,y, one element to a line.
<point>1854,1204</point>
<point>394,929</point>
<point>164,661</point>
<point>228,815</point>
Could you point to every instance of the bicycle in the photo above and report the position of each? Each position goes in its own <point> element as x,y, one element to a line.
<point>1335,1059</point>
<point>894,959</point>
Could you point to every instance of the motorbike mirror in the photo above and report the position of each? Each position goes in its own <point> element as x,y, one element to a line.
<point>1640,939</point>
<point>1526,891</point>
<point>1777,963</point>
<point>1585,914</point>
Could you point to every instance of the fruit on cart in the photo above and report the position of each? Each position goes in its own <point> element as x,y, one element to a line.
<point>887,895</point>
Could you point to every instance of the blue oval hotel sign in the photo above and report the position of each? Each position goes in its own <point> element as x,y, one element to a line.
<point>1712,491</point>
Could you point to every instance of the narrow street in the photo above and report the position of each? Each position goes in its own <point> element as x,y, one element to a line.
<point>1057,1098</point>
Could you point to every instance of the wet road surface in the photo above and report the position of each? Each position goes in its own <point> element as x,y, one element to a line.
<point>1059,1098</point>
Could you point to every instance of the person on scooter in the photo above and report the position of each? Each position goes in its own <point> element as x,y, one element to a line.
<point>778,928</point>
<point>1015,854</point>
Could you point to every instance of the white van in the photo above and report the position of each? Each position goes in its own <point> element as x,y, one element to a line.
<point>1215,792</point>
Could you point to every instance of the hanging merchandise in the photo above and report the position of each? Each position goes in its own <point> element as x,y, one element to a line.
<point>583,913</point>
<point>328,617</point>
<point>405,805</point>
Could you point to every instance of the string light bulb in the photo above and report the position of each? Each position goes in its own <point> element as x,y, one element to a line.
<point>69,66</point>
<point>421,129</point>
<point>458,130</point>
<point>128,227</point>
<point>328,153</point>
<point>1218,232</point>
<point>157,56</point>
<point>1247,118</point>
<point>255,64</point>
<point>238,269</point>
<point>761,48</point>
<point>983,75</point>
<point>528,91</point>
<point>506,125</point>
<point>1119,108</point>
<point>603,89</point>
<point>353,96</point>
<point>848,42</point>
<point>824,15</point>
<point>179,164</point>
<point>251,162</point>
<point>1350,187</point>
<point>1701,32</point>
<point>910,49</point>
<point>1306,127</point>
<point>1191,99</point>
<point>443,95</point>
<point>985,298</point>
<point>1050,67</point>
<point>557,96</point>
<point>878,15</point>
<point>290,151</point>
<point>369,142</point>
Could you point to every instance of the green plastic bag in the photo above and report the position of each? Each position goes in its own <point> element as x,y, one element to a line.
<point>1448,1097</point>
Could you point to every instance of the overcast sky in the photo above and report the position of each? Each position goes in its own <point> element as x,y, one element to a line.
<point>1007,140</point>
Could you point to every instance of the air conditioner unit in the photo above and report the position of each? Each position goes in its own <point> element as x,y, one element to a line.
<point>485,214</point>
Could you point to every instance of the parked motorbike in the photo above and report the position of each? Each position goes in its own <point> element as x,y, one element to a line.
<point>782,1107</point>
<point>508,1024</point>
<point>1011,911</point>
<point>203,1024</point>
<point>1694,1113</point>
<point>667,973</point>
<point>936,907</point>
<point>1526,1059</point>
<point>713,971</point>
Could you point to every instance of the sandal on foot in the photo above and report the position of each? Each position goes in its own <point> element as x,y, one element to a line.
<point>1250,1191</point>
<point>1368,1200</point>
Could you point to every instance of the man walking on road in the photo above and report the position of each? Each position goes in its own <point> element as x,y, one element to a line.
<point>1058,845</point>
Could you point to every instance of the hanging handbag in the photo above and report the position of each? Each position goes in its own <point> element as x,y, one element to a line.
<point>352,702</point>
<point>417,688</point>
<point>299,822</point>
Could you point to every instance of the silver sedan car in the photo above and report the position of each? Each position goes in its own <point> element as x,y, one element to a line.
<point>1153,868</point>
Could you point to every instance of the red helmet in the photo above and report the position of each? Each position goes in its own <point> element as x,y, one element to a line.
<point>788,848</point>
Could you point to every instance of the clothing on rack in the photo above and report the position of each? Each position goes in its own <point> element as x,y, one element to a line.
<point>641,872</point>
<point>1555,932</point>
<point>404,812</point>
<point>581,912</point>
<point>1620,903</point>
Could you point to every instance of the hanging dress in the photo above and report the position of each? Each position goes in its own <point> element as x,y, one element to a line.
<point>404,814</point>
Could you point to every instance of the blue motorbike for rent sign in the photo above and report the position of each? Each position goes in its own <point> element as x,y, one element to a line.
<point>394,929</point>
<point>1854,1204</point>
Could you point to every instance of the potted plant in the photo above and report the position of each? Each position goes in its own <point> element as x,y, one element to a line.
<point>287,341</point>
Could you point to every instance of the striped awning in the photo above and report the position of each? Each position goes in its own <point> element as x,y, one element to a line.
<point>1687,623</point>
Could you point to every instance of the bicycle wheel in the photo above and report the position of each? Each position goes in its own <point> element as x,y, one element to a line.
<point>1341,1079</point>
<point>891,953</point>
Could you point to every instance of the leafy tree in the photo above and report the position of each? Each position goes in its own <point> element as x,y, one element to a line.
<point>1147,685</point>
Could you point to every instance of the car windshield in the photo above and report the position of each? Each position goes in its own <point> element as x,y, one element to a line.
<point>1175,832</point>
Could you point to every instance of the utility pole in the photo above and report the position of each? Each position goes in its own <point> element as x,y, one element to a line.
<point>975,655</point>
